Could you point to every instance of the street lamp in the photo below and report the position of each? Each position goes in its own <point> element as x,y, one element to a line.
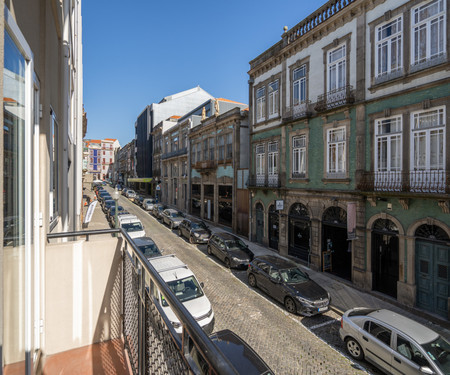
<point>116,196</point>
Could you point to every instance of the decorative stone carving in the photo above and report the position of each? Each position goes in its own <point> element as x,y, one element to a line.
<point>404,202</point>
<point>445,206</point>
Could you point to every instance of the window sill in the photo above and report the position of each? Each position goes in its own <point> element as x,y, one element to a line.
<point>298,180</point>
<point>336,180</point>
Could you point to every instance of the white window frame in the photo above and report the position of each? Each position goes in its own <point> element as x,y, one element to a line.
<point>426,25</point>
<point>386,139</point>
<point>386,43</point>
<point>272,157</point>
<point>274,98</point>
<point>336,166</point>
<point>260,160</point>
<point>261,104</point>
<point>299,156</point>
<point>339,65</point>
<point>427,131</point>
<point>299,85</point>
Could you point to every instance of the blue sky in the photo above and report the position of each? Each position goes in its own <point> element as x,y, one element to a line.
<point>136,52</point>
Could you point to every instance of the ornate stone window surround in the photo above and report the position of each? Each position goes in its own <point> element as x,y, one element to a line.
<point>327,177</point>
<point>265,84</point>
<point>292,135</point>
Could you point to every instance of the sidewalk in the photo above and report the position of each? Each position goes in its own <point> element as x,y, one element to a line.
<point>344,295</point>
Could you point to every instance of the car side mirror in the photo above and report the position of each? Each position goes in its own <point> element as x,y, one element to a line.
<point>202,284</point>
<point>426,370</point>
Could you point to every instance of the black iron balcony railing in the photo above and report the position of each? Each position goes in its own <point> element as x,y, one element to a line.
<point>335,98</point>
<point>429,181</point>
<point>270,181</point>
<point>150,340</point>
<point>298,111</point>
<point>172,154</point>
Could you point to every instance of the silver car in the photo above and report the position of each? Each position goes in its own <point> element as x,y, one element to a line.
<point>171,217</point>
<point>394,343</point>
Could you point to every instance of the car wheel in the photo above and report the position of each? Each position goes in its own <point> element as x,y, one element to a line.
<point>252,280</point>
<point>290,305</point>
<point>209,250</point>
<point>353,348</point>
<point>227,263</point>
<point>191,240</point>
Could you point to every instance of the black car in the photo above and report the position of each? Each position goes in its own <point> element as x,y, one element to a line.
<point>107,204</point>
<point>147,247</point>
<point>195,230</point>
<point>284,281</point>
<point>230,249</point>
<point>240,354</point>
<point>112,212</point>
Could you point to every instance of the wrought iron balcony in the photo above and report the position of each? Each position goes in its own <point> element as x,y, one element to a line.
<point>204,165</point>
<point>172,154</point>
<point>335,98</point>
<point>140,327</point>
<point>427,181</point>
<point>298,111</point>
<point>263,181</point>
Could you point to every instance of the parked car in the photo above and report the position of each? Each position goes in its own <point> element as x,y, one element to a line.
<point>240,354</point>
<point>195,230</point>
<point>132,225</point>
<point>171,217</point>
<point>147,204</point>
<point>112,211</point>
<point>112,218</point>
<point>394,343</point>
<point>157,209</point>
<point>130,193</point>
<point>103,197</point>
<point>230,249</point>
<point>147,247</point>
<point>124,191</point>
<point>107,204</point>
<point>283,280</point>
<point>187,289</point>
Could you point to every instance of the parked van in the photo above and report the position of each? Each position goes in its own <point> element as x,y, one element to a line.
<point>188,290</point>
<point>132,225</point>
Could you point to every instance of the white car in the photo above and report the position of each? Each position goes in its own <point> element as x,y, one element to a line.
<point>130,193</point>
<point>132,225</point>
<point>148,204</point>
<point>187,289</point>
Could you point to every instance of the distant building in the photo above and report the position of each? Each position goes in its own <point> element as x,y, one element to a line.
<point>177,104</point>
<point>99,157</point>
<point>124,164</point>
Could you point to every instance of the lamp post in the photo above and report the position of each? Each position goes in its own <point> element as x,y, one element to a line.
<point>116,196</point>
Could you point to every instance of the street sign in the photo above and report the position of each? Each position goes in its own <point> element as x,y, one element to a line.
<point>279,204</point>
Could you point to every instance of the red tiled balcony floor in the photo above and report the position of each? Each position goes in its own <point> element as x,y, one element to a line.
<point>107,358</point>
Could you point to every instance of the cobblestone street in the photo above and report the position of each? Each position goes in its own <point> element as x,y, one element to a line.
<point>290,344</point>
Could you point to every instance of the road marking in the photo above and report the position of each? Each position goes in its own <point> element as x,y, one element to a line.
<point>323,324</point>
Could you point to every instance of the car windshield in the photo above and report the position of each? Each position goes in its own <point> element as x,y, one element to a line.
<point>439,352</point>
<point>150,250</point>
<point>185,289</point>
<point>132,227</point>
<point>235,245</point>
<point>293,276</point>
<point>198,226</point>
<point>174,214</point>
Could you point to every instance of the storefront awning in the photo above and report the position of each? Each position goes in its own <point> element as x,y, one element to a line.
<point>143,179</point>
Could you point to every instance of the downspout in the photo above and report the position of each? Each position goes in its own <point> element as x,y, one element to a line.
<point>65,116</point>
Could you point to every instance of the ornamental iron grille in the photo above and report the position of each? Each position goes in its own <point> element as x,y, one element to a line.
<point>431,232</point>
<point>385,226</point>
<point>335,215</point>
<point>300,211</point>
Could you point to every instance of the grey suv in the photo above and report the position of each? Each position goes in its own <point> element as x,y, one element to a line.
<point>230,249</point>
<point>196,231</point>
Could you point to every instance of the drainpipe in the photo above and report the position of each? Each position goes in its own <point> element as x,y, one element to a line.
<point>65,116</point>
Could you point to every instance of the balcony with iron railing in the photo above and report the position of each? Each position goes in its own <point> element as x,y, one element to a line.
<point>426,181</point>
<point>264,181</point>
<point>101,298</point>
<point>298,111</point>
<point>205,165</point>
<point>335,98</point>
<point>172,154</point>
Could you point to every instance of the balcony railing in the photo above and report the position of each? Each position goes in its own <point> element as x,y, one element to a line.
<point>206,164</point>
<point>270,181</point>
<point>335,98</point>
<point>150,340</point>
<point>298,111</point>
<point>172,154</point>
<point>429,181</point>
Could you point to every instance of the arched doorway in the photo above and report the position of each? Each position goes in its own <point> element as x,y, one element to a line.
<point>432,269</point>
<point>259,223</point>
<point>385,257</point>
<point>274,226</point>
<point>334,239</point>
<point>299,232</point>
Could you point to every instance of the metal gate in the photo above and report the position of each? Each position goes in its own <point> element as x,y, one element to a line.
<point>274,225</point>
<point>433,276</point>
<point>259,223</point>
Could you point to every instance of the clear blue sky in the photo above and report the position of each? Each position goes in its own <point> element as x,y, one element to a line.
<point>136,52</point>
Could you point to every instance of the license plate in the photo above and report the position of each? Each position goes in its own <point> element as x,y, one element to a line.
<point>323,309</point>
